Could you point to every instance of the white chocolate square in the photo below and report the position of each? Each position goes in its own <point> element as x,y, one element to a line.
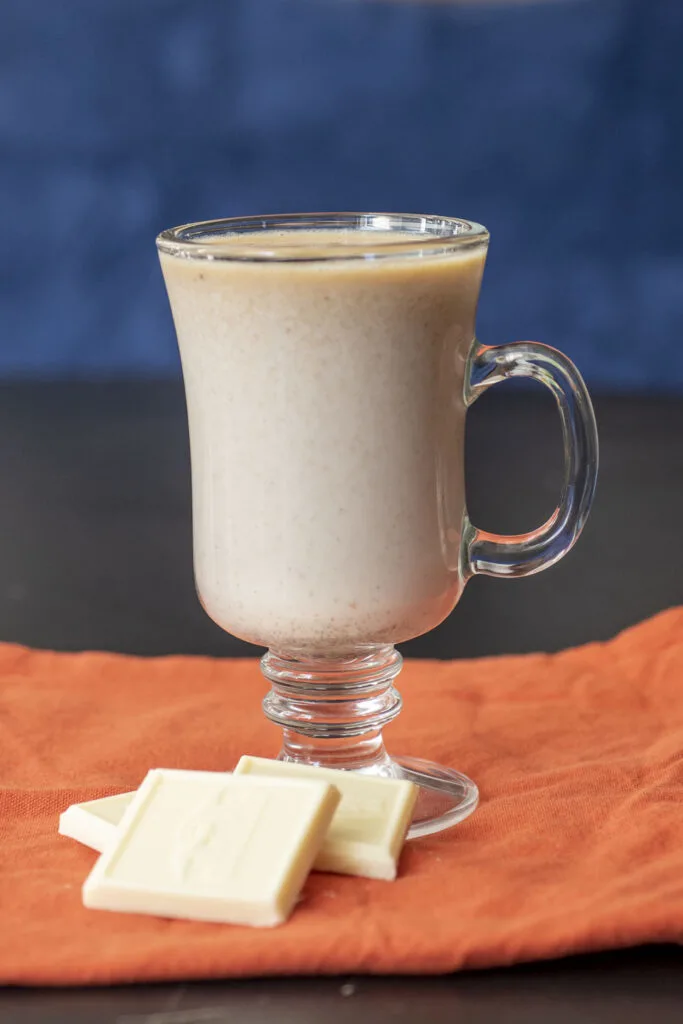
<point>95,822</point>
<point>369,828</point>
<point>213,847</point>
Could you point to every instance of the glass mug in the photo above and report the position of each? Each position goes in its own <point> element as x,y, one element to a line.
<point>328,362</point>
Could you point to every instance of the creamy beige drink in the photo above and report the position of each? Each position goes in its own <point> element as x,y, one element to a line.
<point>325,404</point>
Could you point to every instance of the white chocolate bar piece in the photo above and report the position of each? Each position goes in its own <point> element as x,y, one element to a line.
<point>213,847</point>
<point>368,831</point>
<point>95,822</point>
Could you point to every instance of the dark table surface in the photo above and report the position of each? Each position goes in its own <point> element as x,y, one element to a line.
<point>95,552</point>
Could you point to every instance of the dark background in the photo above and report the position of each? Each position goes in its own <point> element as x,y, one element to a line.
<point>556,123</point>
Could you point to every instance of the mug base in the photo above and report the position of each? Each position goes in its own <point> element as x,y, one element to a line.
<point>445,799</point>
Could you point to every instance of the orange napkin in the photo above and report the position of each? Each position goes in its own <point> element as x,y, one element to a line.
<point>577,844</point>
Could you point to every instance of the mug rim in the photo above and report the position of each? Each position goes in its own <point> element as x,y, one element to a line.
<point>216,239</point>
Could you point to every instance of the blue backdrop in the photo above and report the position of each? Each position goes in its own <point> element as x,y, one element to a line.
<point>559,125</point>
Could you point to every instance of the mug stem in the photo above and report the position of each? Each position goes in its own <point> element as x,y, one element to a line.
<point>332,710</point>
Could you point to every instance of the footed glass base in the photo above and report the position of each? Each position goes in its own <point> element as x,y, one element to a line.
<point>446,797</point>
<point>332,710</point>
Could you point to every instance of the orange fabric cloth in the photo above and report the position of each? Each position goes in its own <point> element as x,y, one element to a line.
<point>577,844</point>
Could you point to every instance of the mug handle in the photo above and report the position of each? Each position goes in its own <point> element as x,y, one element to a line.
<point>526,553</point>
